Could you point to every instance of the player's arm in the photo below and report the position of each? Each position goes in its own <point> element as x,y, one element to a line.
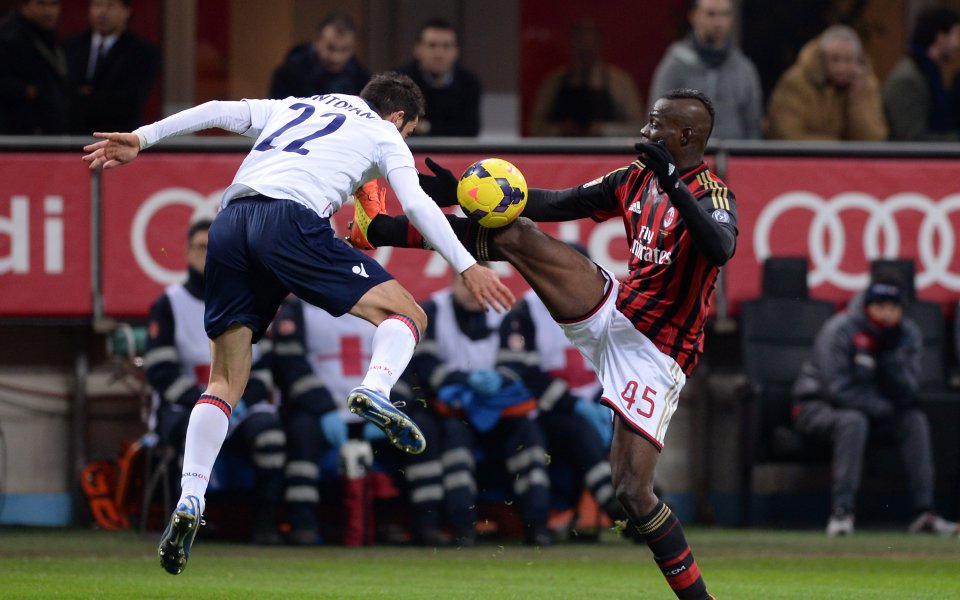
<point>294,376</point>
<point>518,359</point>
<point>713,231</point>
<point>161,361</point>
<point>569,204</point>
<point>115,149</point>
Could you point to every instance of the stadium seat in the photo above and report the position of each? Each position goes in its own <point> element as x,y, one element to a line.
<point>777,333</point>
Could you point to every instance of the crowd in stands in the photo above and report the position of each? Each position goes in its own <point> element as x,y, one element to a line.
<point>101,79</point>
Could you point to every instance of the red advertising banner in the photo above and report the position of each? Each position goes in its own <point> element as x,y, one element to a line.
<point>148,205</point>
<point>843,212</point>
<point>44,236</point>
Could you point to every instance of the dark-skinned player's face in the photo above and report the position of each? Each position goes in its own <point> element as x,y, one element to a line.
<point>676,123</point>
<point>662,125</point>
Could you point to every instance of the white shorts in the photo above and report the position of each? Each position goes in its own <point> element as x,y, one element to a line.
<point>641,383</point>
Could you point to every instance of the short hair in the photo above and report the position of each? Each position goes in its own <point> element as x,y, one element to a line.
<point>340,23</point>
<point>391,92</point>
<point>690,94</point>
<point>842,33</point>
<point>930,22</point>
<point>198,226</point>
<point>437,23</point>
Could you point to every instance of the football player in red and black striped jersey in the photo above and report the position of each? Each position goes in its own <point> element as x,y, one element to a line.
<point>643,334</point>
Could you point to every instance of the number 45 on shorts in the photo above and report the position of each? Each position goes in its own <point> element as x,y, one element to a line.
<point>646,400</point>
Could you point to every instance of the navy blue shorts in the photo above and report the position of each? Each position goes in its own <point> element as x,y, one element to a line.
<point>261,249</point>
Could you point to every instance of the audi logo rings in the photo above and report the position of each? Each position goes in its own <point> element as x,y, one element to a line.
<point>827,237</point>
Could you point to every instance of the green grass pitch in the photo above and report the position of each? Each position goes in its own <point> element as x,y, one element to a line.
<point>737,564</point>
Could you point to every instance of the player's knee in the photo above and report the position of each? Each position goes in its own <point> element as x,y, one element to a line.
<point>513,237</point>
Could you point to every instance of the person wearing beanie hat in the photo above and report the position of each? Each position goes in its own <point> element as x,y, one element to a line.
<point>862,377</point>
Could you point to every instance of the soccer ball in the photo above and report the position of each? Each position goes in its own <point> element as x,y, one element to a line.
<point>492,192</point>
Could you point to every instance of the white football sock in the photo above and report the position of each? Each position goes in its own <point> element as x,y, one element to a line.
<point>393,346</point>
<point>206,431</point>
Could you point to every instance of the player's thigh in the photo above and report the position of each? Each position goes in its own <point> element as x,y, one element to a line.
<point>237,289</point>
<point>570,284</point>
<point>633,457</point>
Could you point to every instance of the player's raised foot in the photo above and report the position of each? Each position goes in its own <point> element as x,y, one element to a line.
<point>178,537</point>
<point>398,427</point>
<point>368,202</point>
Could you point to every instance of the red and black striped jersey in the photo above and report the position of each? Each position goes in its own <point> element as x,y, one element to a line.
<point>667,291</point>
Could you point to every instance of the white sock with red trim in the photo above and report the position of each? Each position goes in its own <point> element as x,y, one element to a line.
<point>393,345</point>
<point>206,431</point>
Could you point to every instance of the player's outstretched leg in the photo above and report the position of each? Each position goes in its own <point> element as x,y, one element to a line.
<point>178,537</point>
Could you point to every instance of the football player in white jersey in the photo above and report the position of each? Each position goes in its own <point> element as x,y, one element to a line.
<point>273,237</point>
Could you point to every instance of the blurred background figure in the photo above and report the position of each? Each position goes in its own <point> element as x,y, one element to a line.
<point>33,71</point>
<point>589,97</point>
<point>861,381</point>
<point>452,92</point>
<point>327,65</point>
<point>830,93</point>
<point>916,102</point>
<point>479,411</point>
<point>112,71</point>
<point>707,60</point>
<point>177,365</point>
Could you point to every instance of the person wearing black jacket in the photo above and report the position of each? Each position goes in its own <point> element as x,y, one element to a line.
<point>33,71</point>
<point>327,65</point>
<point>452,92</point>
<point>111,70</point>
<point>861,378</point>
<point>177,363</point>
<point>644,334</point>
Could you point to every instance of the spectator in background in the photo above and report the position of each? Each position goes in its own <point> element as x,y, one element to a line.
<point>830,93</point>
<point>33,71</point>
<point>111,70</point>
<point>861,379</point>
<point>915,98</point>
<point>177,364</point>
<point>707,60</point>
<point>325,66</point>
<point>452,92</point>
<point>588,97</point>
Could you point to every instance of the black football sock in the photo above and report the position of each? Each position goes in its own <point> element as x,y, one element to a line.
<point>398,232</point>
<point>662,531</point>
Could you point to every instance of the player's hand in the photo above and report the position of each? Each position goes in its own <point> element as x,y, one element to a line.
<point>658,159</point>
<point>485,285</point>
<point>113,150</point>
<point>441,186</point>
<point>485,382</point>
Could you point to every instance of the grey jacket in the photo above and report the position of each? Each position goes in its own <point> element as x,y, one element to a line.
<point>854,365</point>
<point>906,104</point>
<point>734,87</point>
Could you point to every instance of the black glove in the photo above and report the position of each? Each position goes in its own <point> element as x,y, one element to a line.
<point>658,158</point>
<point>441,186</point>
